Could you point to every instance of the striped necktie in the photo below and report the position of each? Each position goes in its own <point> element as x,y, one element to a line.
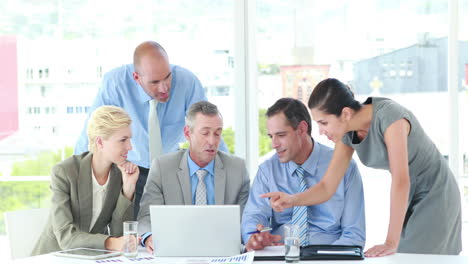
<point>200,192</point>
<point>299,216</point>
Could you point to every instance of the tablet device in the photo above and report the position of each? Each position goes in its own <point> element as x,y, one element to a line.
<point>87,253</point>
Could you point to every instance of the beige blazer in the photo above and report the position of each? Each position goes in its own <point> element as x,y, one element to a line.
<point>169,184</point>
<point>71,208</point>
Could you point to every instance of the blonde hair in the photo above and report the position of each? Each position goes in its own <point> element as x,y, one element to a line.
<point>104,121</point>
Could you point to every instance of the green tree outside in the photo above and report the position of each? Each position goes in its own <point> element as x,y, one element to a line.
<point>40,165</point>
<point>264,141</point>
<point>22,195</point>
<point>29,194</point>
<point>228,137</point>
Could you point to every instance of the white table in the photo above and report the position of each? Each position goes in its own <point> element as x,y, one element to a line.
<point>394,259</point>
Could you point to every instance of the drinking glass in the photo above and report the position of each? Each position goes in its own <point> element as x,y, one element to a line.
<point>291,243</point>
<point>130,229</point>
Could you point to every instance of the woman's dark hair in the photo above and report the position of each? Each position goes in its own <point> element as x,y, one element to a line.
<point>331,96</point>
<point>294,110</point>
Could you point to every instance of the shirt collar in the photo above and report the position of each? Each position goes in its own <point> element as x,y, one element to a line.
<point>311,163</point>
<point>193,167</point>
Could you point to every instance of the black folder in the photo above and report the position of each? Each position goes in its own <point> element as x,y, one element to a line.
<point>324,252</point>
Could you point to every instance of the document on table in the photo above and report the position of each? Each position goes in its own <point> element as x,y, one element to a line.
<point>246,258</point>
<point>270,251</point>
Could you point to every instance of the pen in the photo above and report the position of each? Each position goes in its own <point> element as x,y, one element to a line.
<point>265,229</point>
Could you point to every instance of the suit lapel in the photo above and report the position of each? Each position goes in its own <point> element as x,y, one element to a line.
<point>219,180</point>
<point>85,192</point>
<point>184,179</point>
<point>113,191</point>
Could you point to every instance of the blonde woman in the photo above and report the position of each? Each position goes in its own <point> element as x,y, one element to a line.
<point>92,193</point>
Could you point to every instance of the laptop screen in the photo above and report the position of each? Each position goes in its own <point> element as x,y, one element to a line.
<point>194,230</point>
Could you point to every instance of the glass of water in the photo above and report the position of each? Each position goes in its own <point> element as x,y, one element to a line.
<point>130,229</point>
<point>291,243</point>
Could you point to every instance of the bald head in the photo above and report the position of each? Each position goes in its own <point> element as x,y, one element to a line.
<point>152,70</point>
<point>148,50</point>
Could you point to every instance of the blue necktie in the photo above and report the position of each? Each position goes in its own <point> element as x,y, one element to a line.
<point>299,216</point>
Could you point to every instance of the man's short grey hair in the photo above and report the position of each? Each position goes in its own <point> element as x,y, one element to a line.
<point>203,107</point>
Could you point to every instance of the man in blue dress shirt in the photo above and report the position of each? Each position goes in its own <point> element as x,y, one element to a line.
<point>339,221</point>
<point>132,87</point>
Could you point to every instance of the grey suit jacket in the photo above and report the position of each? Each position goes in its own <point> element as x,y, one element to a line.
<point>72,204</point>
<point>169,184</point>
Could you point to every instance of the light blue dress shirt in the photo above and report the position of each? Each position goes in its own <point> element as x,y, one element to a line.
<point>209,179</point>
<point>120,89</point>
<point>339,221</point>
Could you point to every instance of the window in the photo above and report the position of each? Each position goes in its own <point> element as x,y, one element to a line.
<point>63,50</point>
<point>43,91</point>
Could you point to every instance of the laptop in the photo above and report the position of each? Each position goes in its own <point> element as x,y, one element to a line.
<point>195,230</point>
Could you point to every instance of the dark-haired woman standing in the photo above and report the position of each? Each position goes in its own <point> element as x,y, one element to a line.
<point>425,207</point>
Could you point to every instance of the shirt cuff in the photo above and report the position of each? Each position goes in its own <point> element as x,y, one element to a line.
<point>144,237</point>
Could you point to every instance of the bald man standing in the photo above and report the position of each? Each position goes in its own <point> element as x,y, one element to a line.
<point>150,83</point>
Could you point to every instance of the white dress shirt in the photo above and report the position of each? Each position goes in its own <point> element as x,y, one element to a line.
<point>99,194</point>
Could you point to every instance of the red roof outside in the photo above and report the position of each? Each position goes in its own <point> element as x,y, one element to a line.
<point>8,86</point>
